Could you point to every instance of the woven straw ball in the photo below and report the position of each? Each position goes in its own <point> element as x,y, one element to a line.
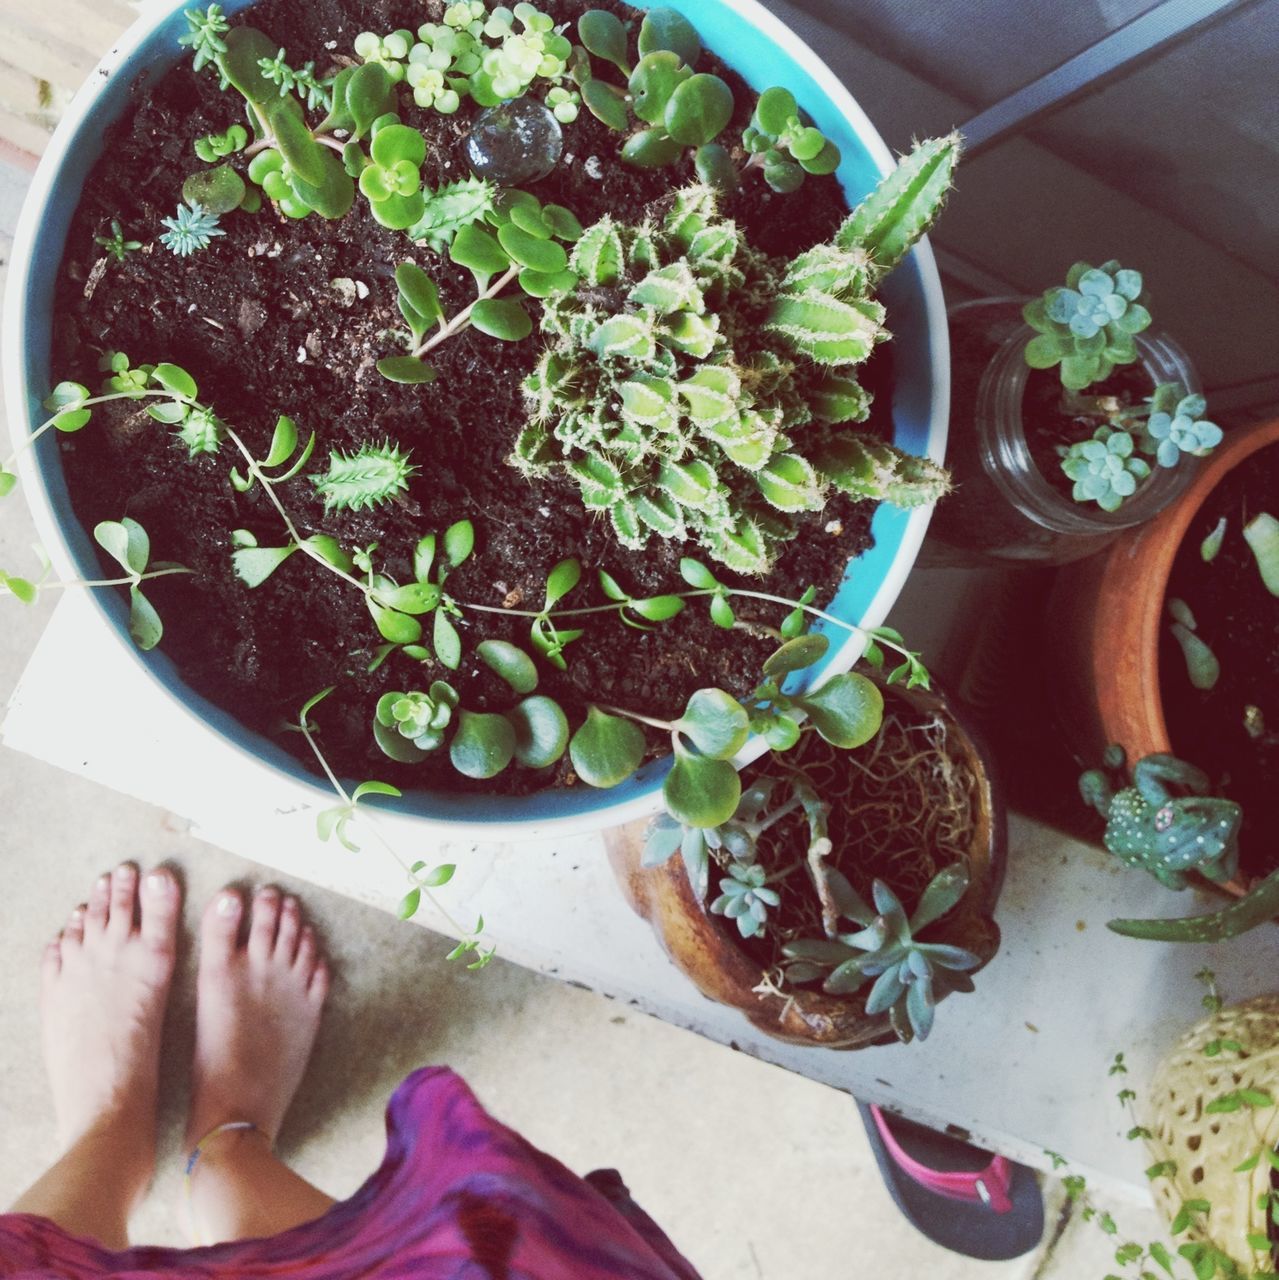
<point>1207,1148</point>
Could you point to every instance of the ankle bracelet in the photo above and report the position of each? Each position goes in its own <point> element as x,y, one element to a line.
<point>198,1150</point>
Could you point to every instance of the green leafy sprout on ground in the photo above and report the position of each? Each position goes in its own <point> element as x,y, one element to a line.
<point>1197,1256</point>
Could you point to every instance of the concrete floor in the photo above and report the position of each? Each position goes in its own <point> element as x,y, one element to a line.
<point>793,1194</point>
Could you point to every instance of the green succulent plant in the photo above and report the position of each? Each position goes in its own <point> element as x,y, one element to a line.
<point>1176,426</point>
<point>374,474</point>
<point>217,146</point>
<point>409,726</point>
<point>910,976</point>
<point>1108,467</point>
<point>116,246</point>
<point>783,146</point>
<point>1105,469</point>
<point>490,56</point>
<point>1087,327</point>
<point>391,177</point>
<point>745,897</point>
<point>696,389</point>
<point>191,230</point>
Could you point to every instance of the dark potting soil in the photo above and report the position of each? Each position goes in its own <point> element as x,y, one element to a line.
<point>258,321</point>
<point>980,518</point>
<point>1239,621</point>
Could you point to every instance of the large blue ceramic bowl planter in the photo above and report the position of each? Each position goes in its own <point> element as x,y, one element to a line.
<point>760,48</point>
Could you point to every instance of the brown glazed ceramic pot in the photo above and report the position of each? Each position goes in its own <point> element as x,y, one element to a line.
<point>706,952</point>
<point>1106,613</point>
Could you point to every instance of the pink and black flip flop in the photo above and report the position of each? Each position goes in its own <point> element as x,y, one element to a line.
<point>962,1198</point>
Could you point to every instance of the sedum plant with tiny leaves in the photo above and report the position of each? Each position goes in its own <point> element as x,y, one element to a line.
<point>695,388</point>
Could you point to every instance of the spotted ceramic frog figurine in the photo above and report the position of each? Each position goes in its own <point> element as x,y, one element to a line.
<point>1168,834</point>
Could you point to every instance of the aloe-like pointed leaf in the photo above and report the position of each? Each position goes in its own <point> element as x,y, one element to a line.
<point>950,957</point>
<point>920,1008</point>
<point>847,711</point>
<point>305,156</point>
<point>845,978</point>
<point>715,723</point>
<point>888,989</point>
<point>944,892</point>
<point>905,204</point>
<point>820,950</point>
<point>606,749</point>
<point>701,792</point>
<point>483,745</point>
<point>541,731</point>
<point>851,905</point>
<point>510,662</point>
<point>796,655</point>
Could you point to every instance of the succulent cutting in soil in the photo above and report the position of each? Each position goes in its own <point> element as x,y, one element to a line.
<point>673,366</point>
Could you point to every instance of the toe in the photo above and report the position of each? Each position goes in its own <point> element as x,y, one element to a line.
<point>124,900</point>
<point>51,960</point>
<point>286,940</point>
<point>263,924</point>
<point>161,900</point>
<point>73,930</point>
<point>318,989</point>
<point>99,901</point>
<point>308,954</point>
<point>220,928</point>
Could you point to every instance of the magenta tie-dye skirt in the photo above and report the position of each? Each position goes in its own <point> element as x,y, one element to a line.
<point>458,1197</point>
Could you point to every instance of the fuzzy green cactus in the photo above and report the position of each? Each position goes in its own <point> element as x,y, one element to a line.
<point>696,388</point>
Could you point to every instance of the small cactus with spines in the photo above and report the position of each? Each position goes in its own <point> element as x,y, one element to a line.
<point>695,388</point>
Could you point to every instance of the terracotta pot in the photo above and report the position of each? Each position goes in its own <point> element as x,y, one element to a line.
<point>1106,615</point>
<point>706,951</point>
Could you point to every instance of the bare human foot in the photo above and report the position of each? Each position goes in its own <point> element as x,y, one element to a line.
<point>105,982</point>
<point>258,1008</point>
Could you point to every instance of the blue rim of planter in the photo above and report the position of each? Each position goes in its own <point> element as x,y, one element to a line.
<point>764,52</point>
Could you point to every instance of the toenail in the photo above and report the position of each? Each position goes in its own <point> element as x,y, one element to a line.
<point>78,914</point>
<point>157,882</point>
<point>290,904</point>
<point>126,871</point>
<point>104,883</point>
<point>228,904</point>
<point>268,894</point>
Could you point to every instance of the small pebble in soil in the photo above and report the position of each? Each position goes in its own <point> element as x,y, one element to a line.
<point>514,143</point>
<point>594,167</point>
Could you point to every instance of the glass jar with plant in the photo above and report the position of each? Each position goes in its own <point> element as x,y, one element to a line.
<point>1055,466</point>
